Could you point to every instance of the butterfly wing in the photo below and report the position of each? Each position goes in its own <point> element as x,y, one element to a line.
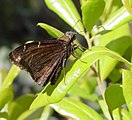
<point>43,60</point>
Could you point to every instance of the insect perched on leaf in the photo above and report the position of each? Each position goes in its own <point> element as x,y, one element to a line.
<point>44,60</point>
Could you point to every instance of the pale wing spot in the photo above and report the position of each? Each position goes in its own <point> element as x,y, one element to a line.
<point>39,43</point>
<point>18,59</point>
<point>24,48</point>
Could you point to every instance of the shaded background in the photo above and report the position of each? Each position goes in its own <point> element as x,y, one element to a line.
<point>18,20</point>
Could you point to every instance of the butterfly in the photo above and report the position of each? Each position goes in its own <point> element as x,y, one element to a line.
<point>44,60</point>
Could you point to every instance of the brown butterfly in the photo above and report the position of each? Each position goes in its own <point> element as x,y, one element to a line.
<point>44,60</point>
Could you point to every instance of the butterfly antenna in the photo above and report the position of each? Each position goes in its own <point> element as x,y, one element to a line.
<point>74,53</point>
<point>76,23</point>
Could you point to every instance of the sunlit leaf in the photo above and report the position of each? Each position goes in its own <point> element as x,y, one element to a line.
<point>52,94</point>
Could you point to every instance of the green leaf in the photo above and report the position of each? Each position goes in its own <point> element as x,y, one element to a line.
<point>14,71</point>
<point>128,54</point>
<point>127,88</point>
<point>119,18</point>
<point>121,114</point>
<point>117,40</point>
<point>82,2</point>
<point>54,93</point>
<point>115,75</point>
<point>47,112</point>
<point>128,5</point>
<point>111,6</point>
<point>104,108</point>
<point>114,97</point>
<point>83,93</point>
<point>33,114</point>
<point>42,113</point>
<point>51,30</point>
<point>3,74</point>
<point>76,110</point>
<point>67,11</point>
<point>20,105</point>
<point>116,113</point>
<point>5,96</point>
<point>4,115</point>
<point>91,11</point>
<point>85,88</point>
<point>126,114</point>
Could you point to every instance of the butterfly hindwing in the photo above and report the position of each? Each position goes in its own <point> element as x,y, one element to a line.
<point>39,60</point>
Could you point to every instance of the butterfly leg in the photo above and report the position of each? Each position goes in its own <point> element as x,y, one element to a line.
<point>63,66</point>
<point>74,53</point>
<point>82,49</point>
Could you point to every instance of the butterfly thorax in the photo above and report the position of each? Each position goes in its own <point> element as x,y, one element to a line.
<point>68,37</point>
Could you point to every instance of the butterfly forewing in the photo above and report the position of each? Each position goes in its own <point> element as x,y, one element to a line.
<point>43,60</point>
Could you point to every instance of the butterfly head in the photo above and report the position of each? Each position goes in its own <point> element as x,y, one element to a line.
<point>71,35</point>
<point>68,37</point>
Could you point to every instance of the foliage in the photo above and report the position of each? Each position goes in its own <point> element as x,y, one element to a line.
<point>102,76</point>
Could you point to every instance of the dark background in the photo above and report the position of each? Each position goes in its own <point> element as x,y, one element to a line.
<point>18,20</point>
